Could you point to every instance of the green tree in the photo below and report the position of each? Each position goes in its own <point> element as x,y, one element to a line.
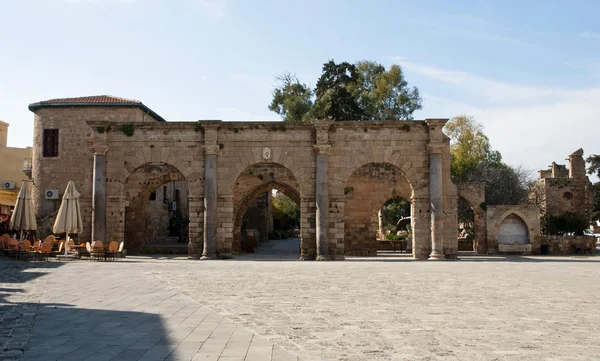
<point>594,168</point>
<point>469,147</point>
<point>344,91</point>
<point>286,214</point>
<point>291,99</point>
<point>473,160</point>
<point>334,101</point>
<point>384,94</point>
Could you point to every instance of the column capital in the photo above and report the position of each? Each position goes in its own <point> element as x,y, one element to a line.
<point>436,148</point>
<point>100,149</point>
<point>211,149</point>
<point>322,148</point>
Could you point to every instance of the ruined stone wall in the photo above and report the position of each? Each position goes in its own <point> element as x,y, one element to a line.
<point>75,158</point>
<point>369,187</point>
<point>474,194</point>
<point>180,147</point>
<point>565,244</point>
<point>529,214</point>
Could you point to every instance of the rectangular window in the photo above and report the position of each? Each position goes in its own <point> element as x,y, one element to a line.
<point>50,146</point>
<point>153,196</point>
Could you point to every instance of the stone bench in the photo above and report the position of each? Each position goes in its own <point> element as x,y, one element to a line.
<point>515,248</point>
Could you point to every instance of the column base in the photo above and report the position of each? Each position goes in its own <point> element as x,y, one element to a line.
<point>208,257</point>
<point>322,258</point>
<point>434,256</point>
<point>452,257</point>
<point>420,257</point>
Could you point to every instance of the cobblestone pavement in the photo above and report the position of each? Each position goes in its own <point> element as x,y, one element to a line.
<point>96,311</point>
<point>385,308</point>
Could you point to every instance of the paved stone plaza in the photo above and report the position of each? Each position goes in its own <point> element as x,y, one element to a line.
<point>255,307</point>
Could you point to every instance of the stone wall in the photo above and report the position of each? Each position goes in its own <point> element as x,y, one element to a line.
<point>569,244</point>
<point>529,214</point>
<point>474,195</point>
<point>252,158</point>
<point>75,157</point>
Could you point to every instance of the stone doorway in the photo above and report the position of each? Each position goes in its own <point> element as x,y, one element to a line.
<point>157,215</point>
<point>367,189</point>
<point>254,192</point>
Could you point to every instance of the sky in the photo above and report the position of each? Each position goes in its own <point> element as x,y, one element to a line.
<point>528,71</point>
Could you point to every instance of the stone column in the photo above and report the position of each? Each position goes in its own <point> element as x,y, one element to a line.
<point>210,202</point>
<point>436,205</point>
<point>322,202</point>
<point>99,197</point>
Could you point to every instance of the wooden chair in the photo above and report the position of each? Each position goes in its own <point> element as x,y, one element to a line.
<point>45,250</point>
<point>37,245</point>
<point>113,248</point>
<point>97,250</point>
<point>120,250</point>
<point>71,246</point>
<point>26,245</point>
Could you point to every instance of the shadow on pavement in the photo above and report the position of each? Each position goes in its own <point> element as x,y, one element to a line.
<point>68,333</point>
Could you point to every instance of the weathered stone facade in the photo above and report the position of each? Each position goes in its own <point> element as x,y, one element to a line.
<point>513,229</point>
<point>569,244</point>
<point>326,167</point>
<point>559,190</point>
<point>14,161</point>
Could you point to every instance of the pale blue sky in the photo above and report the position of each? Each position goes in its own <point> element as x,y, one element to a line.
<point>528,70</point>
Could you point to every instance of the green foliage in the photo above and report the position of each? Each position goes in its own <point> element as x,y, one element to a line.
<point>286,214</point>
<point>594,164</point>
<point>405,128</point>
<point>198,127</point>
<point>568,222</point>
<point>291,99</point>
<point>100,130</point>
<point>473,160</point>
<point>469,147</point>
<point>127,129</point>
<point>344,91</point>
<point>595,213</point>
<point>393,211</point>
<point>394,237</point>
<point>384,95</point>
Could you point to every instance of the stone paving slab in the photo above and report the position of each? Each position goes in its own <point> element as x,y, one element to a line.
<point>114,311</point>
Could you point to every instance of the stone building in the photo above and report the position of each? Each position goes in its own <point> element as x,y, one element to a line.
<point>119,152</point>
<point>560,189</point>
<point>15,167</point>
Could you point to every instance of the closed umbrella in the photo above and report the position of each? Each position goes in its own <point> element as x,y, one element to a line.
<point>23,216</point>
<point>68,219</point>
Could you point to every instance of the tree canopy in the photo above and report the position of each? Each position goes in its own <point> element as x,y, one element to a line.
<point>474,160</point>
<point>344,91</point>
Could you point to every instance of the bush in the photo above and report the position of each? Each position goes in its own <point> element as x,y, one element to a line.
<point>568,222</point>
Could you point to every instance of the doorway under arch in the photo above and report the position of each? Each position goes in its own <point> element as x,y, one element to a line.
<point>253,195</point>
<point>158,212</point>
<point>367,189</point>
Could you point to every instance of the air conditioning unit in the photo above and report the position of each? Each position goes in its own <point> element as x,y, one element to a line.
<point>51,193</point>
<point>8,185</point>
<point>172,206</point>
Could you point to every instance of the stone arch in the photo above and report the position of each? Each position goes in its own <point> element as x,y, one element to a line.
<point>516,215</point>
<point>258,179</point>
<point>474,195</point>
<point>302,173</point>
<point>411,169</point>
<point>367,189</point>
<point>140,230</point>
<point>247,201</point>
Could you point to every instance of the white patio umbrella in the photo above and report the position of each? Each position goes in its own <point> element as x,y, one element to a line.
<point>68,219</point>
<point>23,216</point>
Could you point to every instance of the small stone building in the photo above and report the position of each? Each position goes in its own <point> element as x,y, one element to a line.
<point>560,189</point>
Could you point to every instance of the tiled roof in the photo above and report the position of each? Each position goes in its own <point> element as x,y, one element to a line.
<point>95,100</point>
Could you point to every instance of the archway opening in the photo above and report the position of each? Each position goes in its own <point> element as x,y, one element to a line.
<point>271,225</point>
<point>466,226</point>
<point>268,212</point>
<point>367,190</point>
<point>394,226</point>
<point>157,215</point>
<point>513,231</point>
